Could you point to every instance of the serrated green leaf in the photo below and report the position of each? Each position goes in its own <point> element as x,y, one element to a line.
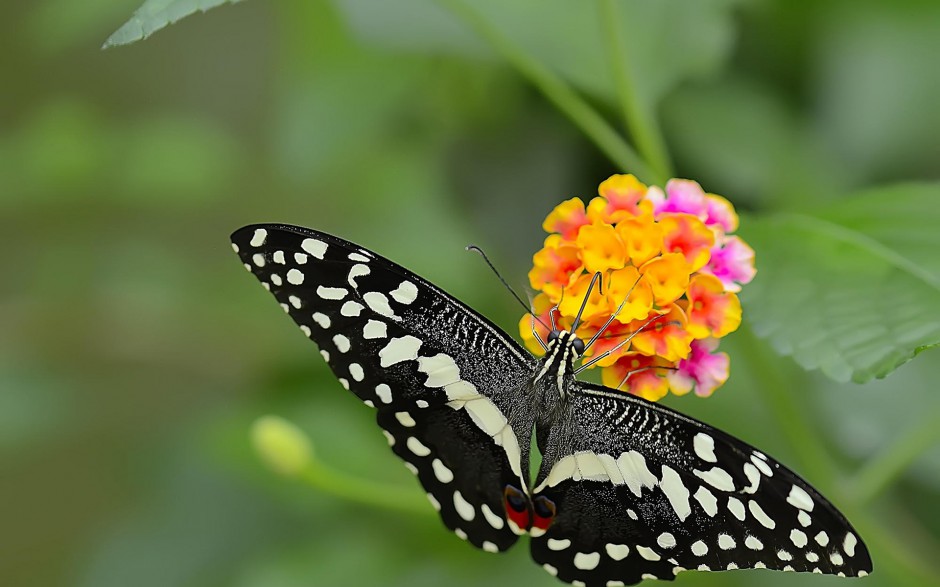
<point>854,289</point>
<point>154,15</point>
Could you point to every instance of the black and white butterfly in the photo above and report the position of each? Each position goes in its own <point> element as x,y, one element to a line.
<point>627,489</point>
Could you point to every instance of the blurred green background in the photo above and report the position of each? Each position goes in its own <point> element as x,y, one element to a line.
<point>135,352</point>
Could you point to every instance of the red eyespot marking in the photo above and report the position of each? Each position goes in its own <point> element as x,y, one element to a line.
<point>544,510</point>
<point>517,508</point>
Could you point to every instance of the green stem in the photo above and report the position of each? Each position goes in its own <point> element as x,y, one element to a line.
<point>798,431</point>
<point>321,476</point>
<point>644,129</point>
<point>872,479</point>
<point>557,91</point>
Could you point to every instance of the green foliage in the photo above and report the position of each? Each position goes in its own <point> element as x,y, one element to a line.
<point>136,353</point>
<point>154,15</point>
<point>853,288</point>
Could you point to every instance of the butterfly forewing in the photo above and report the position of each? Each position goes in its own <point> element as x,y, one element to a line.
<point>642,492</point>
<point>442,378</point>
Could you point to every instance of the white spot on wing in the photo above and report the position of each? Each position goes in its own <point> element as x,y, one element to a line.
<point>258,238</point>
<point>378,303</point>
<point>417,447</point>
<point>341,342</point>
<point>762,465</point>
<point>278,258</point>
<point>699,548</point>
<point>489,546</point>
<point>587,561</point>
<point>406,293</point>
<point>761,516</point>
<point>384,392</point>
<point>800,499</point>
<point>704,446</point>
<point>405,419</point>
<point>726,542</point>
<point>804,518</point>
<point>493,520</point>
<point>557,545</point>
<point>666,540</point>
<point>351,309</point>
<point>849,544</point>
<point>440,369</point>
<point>443,474</point>
<point>635,473</point>
<point>464,508</point>
<point>374,329</point>
<point>300,258</point>
<point>258,259</point>
<point>355,369</point>
<point>648,553</point>
<point>707,500</point>
<point>315,247</point>
<point>676,492</point>
<point>736,508</point>
<point>358,270</point>
<point>486,415</point>
<point>617,552</point>
<point>753,476</point>
<point>295,277</point>
<point>399,349</point>
<point>798,538</point>
<point>359,258</point>
<point>753,543</point>
<point>321,319</point>
<point>330,293</point>
<point>717,478</point>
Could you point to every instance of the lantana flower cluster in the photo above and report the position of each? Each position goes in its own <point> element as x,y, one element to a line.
<point>669,272</point>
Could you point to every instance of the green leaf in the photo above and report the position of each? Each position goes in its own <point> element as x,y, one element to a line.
<point>154,15</point>
<point>667,41</point>
<point>853,290</point>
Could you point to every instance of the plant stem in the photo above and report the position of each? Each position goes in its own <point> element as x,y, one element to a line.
<point>879,472</point>
<point>321,476</point>
<point>557,91</point>
<point>644,128</point>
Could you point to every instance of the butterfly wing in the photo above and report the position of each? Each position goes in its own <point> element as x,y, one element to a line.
<point>441,376</point>
<point>642,491</point>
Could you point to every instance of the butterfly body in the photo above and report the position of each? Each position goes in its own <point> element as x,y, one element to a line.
<point>626,489</point>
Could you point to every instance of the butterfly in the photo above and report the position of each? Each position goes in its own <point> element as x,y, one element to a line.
<point>627,489</point>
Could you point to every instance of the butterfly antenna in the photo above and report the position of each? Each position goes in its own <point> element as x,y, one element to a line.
<point>507,286</point>
<point>607,353</point>
<point>536,334</point>
<point>587,295</point>
<point>612,316</point>
<point>635,371</point>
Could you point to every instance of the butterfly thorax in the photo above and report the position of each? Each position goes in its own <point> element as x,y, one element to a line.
<point>554,374</point>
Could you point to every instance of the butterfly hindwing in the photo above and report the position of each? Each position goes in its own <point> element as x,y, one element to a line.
<point>443,378</point>
<point>642,491</point>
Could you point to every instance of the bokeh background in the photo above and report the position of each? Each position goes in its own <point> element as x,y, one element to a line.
<point>135,352</point>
